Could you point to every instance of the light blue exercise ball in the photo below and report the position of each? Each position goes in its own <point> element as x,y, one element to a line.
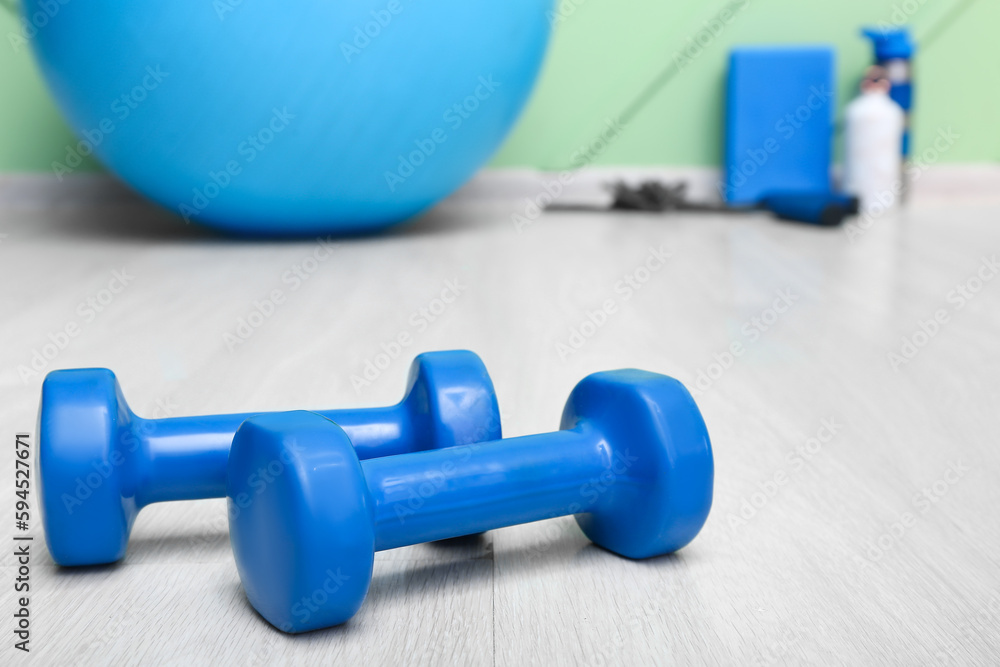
<point>290,118</point>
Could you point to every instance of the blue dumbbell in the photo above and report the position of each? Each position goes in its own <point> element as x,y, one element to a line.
<point>99,464</point>
<point>633,463</point>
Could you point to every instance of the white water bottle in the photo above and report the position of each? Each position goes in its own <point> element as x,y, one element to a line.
<point>873,168</point>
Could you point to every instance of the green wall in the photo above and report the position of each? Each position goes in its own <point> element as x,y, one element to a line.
<point>605,53</point>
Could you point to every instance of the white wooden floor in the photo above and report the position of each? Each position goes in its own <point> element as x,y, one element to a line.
<point>820,546</point>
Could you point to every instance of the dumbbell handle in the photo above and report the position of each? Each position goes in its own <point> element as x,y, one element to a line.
<point>185,457</point>
<point>447,493</point>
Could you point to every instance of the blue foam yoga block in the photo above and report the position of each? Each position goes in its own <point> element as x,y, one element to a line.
<point>779,121</point>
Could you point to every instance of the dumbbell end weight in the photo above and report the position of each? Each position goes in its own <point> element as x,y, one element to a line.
<point>634,451</point>
<point>83,422</point>
<point>450,399</point>
<point>304,538</point>
<point>660,445</point>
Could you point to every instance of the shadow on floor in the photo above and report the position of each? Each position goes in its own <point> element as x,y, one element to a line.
<point>131,218</point>
<point>454,578</point>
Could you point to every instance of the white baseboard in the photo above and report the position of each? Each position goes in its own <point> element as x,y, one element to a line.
<point>33,190</point>
<point>584,185</point>
<point>967,181</point>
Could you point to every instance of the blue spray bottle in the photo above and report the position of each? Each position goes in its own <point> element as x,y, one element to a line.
<point>894,49</point>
